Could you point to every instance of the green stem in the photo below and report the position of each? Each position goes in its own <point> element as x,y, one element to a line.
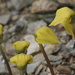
<point>47,60</point>
<point>6,61</point>
<point>22,72</point>
<point>26,73</point>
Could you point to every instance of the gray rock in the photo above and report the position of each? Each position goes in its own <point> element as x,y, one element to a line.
<point>32,27</point>
<point>15,12</point>
<point>38,57</point>
<point>54,63</point>
<point>54,58</point>
<point>9,49</point>
<point>39,69</point>
<point>48,70</point>
<point>3,68</point>
<point>31,68</point>
<point>49,74</point>
<point>70,2</point>
<point>4,18</point>
<point>64,69</point>
<point>72,66</point>
<point>63,1</point>
<point>43,73</point>
<point>15,17</point>
<point>34,47</point>
<point>19,4</point>
<point>72,52</point>
<point>50,49</point>
<point>17,27</point>
<point>15,71</point>
<point>70,44</point>
<point>43,6</point>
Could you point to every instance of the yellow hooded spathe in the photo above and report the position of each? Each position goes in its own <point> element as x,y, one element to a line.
<point>20,46</point>
<point>64,17</point>
<point>46,35</point>
<point>21,60</point>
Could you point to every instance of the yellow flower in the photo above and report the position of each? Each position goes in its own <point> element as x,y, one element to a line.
<point>21,46</point>
<point>64,16</point>
<point>21,60</point>
<point>46,35</point>
<point>1,29</point>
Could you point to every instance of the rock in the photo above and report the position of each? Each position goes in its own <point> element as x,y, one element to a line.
<point>15,12</point>
<point>4,19</point>
<point>72,52</point>
<point>65,55</point>
<point>72,66</point>
<point>64,69</point>
<point>63,1</point>
<point>39,69</point>
<point>56,63</point>
<point>63,49</point>
<point>19,4</point>
<point>71,44</point>
<point>68,2</point>
<point>54,58</point>
<point>43,6</point>
<point>9,49</point>
<point>32,27</point>
<point>50,49</point>
<point>34,47</point>
<point>43,73</point>
<point>49,74</point>
<point>19,26</point>
<point>15,71</point>
<point>15,17</point>
<point>48,70</point>
<point>31,68</point>
<point>39,57</point>
<point>44,68</point>
<point>2,68</point>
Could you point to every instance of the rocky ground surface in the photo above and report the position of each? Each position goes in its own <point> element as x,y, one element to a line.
<point>21,18</point>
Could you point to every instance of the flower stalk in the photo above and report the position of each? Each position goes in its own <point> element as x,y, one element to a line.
<point>2,52</point>
<point>6,61</point>
<point>47,60</point>
<point>22,72</point>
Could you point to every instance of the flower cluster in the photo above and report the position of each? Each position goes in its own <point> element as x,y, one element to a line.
<point>21,46</point>
<point>21,59</point>
<point>46,35</point>
<point>65,17</point>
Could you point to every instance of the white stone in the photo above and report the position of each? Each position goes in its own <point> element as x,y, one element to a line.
<point>32,67</point>
<point>43,73</point>
<point>33,26</point>
<point>34,47</point>
<point>39,69</point>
